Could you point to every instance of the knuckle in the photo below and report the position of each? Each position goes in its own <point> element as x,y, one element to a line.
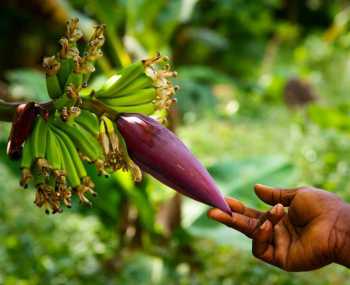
<point>233,219</point>
<point>250,225</point>
<point>278,227</point>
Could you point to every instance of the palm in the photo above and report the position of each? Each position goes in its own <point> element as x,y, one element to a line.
<point>302,239</point>
<point>305,240</point>
<point>301,248</point>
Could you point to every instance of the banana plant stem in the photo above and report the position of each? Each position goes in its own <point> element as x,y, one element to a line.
<point>7,110</point>
<point>99,108</point>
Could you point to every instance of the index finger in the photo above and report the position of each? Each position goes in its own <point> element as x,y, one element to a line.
<point>244,224</point>
<point>238,207</point>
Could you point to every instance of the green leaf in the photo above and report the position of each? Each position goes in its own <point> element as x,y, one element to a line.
<point>29,84</point>
<point>138,196</point>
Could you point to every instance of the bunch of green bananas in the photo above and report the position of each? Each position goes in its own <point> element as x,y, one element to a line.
<point>80,125</point>
<point>53,159</point>
<point>68,71</point>
<point>142,87</point>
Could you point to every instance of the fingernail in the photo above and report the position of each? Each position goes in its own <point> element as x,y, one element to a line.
<point>209,213</point>
<point>264,226</point>
<point>274,210</point>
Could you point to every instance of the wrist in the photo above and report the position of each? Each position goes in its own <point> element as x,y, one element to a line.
<point>342,236</point>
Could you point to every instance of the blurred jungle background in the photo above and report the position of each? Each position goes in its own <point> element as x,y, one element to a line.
<point>264,98</point>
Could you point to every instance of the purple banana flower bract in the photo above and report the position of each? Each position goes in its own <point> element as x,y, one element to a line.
<point>157,151</point>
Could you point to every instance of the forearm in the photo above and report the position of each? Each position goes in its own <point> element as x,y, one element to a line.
<point>342,236</point>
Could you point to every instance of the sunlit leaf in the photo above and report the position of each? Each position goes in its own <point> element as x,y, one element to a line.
<point>29,84</point>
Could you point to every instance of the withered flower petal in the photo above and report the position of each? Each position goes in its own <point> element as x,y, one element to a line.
<point>22,127</point>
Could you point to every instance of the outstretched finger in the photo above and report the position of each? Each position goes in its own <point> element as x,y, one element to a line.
<point>273,196</point>
<point>244,224</point>
<point>238,207</point>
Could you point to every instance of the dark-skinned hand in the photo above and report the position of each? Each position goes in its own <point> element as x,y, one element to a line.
<point>314,232</point>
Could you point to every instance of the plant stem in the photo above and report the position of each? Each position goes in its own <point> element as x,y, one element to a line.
<point>7,110</point>
<point>99,109</point>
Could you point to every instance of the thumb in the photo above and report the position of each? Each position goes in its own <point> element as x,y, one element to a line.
<point>273,196</point>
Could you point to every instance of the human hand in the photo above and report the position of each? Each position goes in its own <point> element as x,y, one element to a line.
<point>313,233</point>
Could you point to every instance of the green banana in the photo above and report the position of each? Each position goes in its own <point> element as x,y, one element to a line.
<point>146,109</point>
<point>69,166</point>
<point>77,175</point>
<point>86,92</point>
<point>67,65</point>
<point>89,121</point>
<point>86,77</point>
<point>40,138</point>
<point>74,79</point>
<point>109,83</point>
<point>126,77</point>
<point>134,68</point>
<point>63,101</point>
<point>39,146</point>
<point>26,162</point>
<point>140,97</point>
<point>142,82</point>
<point>85,142</point>
<point>53,86</point>
<point>73,153</point>
<point>53,151</point>
<point>27,155</point>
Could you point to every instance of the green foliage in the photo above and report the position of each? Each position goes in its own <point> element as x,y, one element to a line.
<point>234,59</point>
<point>29,84</point>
